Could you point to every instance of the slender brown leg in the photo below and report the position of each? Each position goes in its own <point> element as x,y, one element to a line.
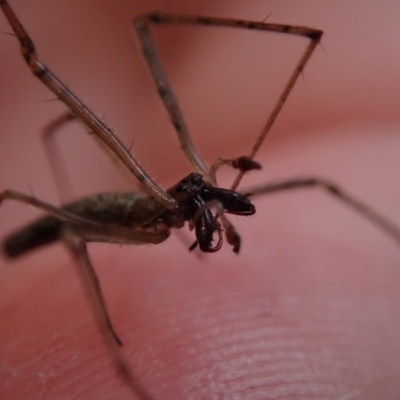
<point>50,209</point>
<point>77,247</point>
<point>168,96</point>
<point>82,112</point>
<point>60,174</point>
<point>303,183</point>
<point>54,155</point>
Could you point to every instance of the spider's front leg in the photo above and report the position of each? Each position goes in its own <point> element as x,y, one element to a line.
<point>80,110</point>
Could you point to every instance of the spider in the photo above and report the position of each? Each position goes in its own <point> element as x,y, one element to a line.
<point>132,218</point>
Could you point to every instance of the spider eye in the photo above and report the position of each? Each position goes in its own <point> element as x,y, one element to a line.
<point>191,184</point>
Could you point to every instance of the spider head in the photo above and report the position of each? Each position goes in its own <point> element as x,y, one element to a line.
<point>196,198</point>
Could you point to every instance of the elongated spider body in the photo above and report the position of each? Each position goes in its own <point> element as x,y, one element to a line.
<point>143,214</point>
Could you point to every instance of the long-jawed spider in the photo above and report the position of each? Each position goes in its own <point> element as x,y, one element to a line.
<point>133,218</point>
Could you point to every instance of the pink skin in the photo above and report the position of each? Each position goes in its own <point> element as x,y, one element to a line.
<point>309,309</point>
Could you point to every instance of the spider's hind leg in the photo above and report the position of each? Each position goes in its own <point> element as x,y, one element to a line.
<point>77,246</point>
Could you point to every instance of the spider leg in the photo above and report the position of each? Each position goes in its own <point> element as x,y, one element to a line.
<point>57,164</point>
<point>334,190</point>
<point>49,208</point>
<point>165,89</point>
<point>167,95</point>
<point>82,112</point>
<point>54,155</point>
<point>76,244</point>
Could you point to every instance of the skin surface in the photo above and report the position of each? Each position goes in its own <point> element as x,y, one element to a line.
<point>309,309</point>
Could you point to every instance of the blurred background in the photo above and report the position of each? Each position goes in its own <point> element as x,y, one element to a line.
<point>341,122</point>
